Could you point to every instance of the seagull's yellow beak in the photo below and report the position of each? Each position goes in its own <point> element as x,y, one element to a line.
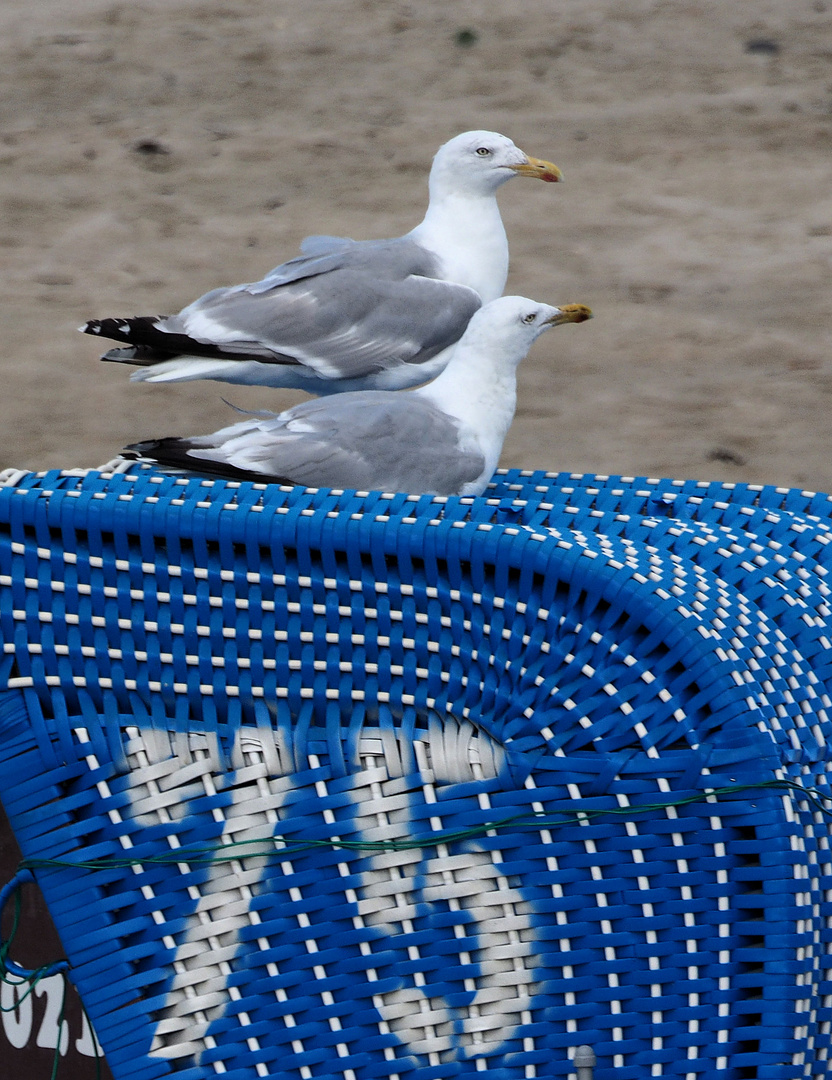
<point>570,313</point>
<point>543,170</point>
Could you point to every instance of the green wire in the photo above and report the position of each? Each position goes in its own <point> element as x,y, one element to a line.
<point>7,944</point>
<point>30,982</point>
<point>265,848</point>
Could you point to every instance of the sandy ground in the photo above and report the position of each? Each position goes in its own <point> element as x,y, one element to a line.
<point>153,149</point>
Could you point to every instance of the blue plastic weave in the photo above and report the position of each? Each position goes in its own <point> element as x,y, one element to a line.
<point>329,680</point>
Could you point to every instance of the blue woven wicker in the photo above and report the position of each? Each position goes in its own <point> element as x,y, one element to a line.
<point>350,786</point>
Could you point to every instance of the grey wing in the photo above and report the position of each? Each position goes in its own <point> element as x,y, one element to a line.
<point>352,313</point>
<point>323,254</point>
<point>325,245</point>
<point>372,440</point>
<point>319,257</point>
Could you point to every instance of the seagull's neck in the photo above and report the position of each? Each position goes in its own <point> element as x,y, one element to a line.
<point>466,232</point>
<point>479,389</point>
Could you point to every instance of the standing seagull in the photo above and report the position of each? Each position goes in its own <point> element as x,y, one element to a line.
<point>350,314</point>
<point>441,439</point>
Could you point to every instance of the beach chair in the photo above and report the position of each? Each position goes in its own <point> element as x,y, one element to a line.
<point>347,786</point>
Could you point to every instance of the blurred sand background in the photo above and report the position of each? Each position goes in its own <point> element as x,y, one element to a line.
<point>153,149</point>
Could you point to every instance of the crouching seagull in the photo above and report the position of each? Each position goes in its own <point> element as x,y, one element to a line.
<point>444,438</point>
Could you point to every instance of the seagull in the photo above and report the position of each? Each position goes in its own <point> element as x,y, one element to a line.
<point>350,314</point>
<point>444,438</point>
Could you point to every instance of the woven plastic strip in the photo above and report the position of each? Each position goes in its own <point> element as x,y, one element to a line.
<point>344,785</point>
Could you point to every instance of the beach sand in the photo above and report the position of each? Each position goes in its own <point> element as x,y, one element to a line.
<point>152,150</point>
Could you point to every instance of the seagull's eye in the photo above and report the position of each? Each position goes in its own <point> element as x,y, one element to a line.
<point>530,317</point>
<point>483,151</point>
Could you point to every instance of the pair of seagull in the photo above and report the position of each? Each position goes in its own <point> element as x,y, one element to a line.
<point>354,322</point>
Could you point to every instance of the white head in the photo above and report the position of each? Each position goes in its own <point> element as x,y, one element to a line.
<point>508,326</point>
<point>478,162</point>
<point>479,386</point>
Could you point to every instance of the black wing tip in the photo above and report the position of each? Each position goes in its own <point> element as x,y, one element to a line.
<point>120,356</point>
<point>121,329</point>
<point>167,451</point>
<point>137,355</point>
<point>154,346</point>
<point>105,327</point>
<point>147,446</point>
<point>173,453</point>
